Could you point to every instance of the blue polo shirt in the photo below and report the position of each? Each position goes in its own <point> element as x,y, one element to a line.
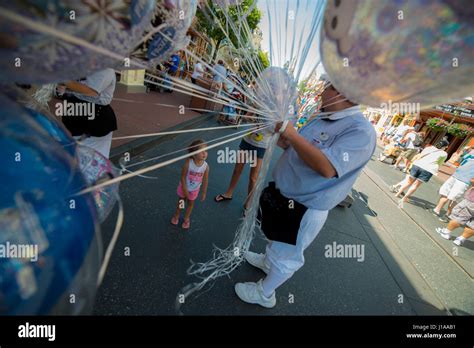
<point>347,139</point>
<point>465,172</point>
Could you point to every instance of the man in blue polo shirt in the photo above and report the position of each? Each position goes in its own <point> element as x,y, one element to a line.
<point>317,170</point>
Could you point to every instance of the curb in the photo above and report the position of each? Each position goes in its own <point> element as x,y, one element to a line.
<point>139,146</point>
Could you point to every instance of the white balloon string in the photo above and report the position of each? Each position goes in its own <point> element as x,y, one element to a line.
<point>246,131</point>
<point>181,131</point>
<point>113,241</point>
<point>154,167</point>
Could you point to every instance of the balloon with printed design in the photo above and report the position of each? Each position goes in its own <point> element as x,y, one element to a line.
<point>49,236</point>
<point>29,55</point>
<point>97,169</point>
<point>412,51</point>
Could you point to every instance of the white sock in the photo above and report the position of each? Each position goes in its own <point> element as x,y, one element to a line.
<point>272,281</point>
<point>461,238</point>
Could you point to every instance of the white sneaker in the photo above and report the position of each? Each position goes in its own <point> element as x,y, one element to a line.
<point>253,293</point>
<point>443,233</point>
<point>393,189</point>
<point>459,241</point>
<point>257,260</point>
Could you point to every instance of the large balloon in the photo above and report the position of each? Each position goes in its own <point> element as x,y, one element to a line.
<point>94,166</point>
<point>50,245</point>
<point>414,51</point>
<point>173,21</point>
<point>96,169</point>
<point>30,56</point>
<point>56,130</point>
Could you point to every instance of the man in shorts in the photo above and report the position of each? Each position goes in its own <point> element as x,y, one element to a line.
<point>462,215</point>
<point>455,187</point>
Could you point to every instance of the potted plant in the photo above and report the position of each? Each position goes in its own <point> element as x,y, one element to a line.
<point>437,124</point>
<point>459,130</point>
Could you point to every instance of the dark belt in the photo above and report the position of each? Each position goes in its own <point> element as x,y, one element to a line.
<point>280,216</point>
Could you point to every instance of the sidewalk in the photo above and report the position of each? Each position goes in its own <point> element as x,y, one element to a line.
<point>425,199</point>
<point>141,113</point>
<point>389,281</point>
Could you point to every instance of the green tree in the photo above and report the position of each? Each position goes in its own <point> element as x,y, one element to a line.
<point>264,60</point>
<point>212,19</point>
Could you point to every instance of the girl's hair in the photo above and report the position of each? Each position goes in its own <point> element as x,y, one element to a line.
<point>195,145</point>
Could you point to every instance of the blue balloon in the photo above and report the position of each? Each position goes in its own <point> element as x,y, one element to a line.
<point>56,130</point>
<point>49,236</point>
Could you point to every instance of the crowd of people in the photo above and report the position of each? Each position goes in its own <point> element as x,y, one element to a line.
<point>405,146</point>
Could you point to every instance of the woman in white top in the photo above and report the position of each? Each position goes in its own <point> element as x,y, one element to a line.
<point>198,72</point>
<point>425,165</point>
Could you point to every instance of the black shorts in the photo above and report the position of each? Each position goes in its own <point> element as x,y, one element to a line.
<point>249,147</point>
<point>420,174</point>
<point>103,123</point>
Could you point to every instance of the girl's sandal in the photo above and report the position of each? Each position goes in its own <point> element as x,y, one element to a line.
<point>186,224</point>
<point>174,221</point>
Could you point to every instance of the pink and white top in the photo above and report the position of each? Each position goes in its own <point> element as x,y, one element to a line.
<point>195,175</point>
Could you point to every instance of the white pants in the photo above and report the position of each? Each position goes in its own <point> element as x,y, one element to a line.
<point>453,189</point>
<point>285,259</point>
<point>100,144</point>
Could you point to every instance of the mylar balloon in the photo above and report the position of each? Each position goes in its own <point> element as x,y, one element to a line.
<point>400,51</point>
<point>50,245</point>
<point>173,22</point>
<point>28,55</point>
<point>96,169</point>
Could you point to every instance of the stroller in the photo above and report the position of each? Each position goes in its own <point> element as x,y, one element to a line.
<point>165,83</point>
<point>230,113</point>
<point>391,151</point>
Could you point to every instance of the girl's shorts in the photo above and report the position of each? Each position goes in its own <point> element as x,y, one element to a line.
<point>192,194</point>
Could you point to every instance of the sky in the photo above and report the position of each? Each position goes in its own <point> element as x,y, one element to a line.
<point>286,27</point>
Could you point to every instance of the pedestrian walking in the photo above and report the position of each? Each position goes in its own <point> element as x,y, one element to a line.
<point>462,215</point>
<point>454,188</point>
<point>425,165</point>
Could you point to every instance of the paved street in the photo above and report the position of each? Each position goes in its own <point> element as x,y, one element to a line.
<point>407,269</point>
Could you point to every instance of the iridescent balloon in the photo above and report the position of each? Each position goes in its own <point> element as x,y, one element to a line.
<point>96,168</point>
<point>55,233</point>
<point>413,51</point>
<point>173,23</point>
<point>30,56</point>
<point>56,130</point>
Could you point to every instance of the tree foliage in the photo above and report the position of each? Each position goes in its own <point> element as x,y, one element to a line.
<point>212,20</point>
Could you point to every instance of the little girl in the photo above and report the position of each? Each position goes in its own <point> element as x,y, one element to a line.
<point>194,173</point>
